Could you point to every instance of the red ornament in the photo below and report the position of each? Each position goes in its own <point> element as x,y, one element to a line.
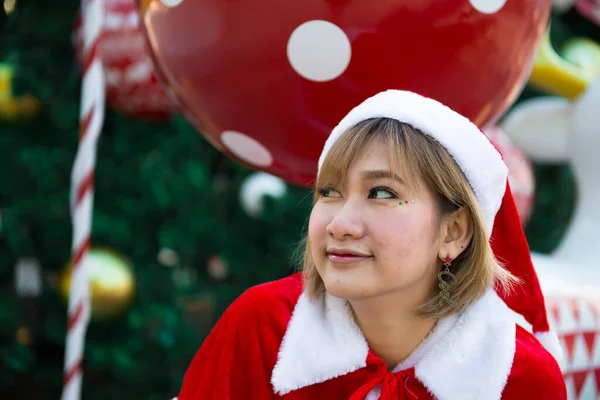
<point>132,87</point>
<point>266,81</point>
<point>520,172</point>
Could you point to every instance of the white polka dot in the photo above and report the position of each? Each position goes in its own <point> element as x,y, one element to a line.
<point>319,50</point>
<point>171,3</point>
<point>246,148</point>
<point>488,6</point>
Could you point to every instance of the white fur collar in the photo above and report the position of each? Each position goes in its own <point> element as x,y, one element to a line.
<point>468,356</point>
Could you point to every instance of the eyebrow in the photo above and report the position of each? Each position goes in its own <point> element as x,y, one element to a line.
<point>380,173</point>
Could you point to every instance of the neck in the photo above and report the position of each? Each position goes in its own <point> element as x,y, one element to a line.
<point>390,326</point>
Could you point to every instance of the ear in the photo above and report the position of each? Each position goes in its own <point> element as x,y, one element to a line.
<point>457,233</point>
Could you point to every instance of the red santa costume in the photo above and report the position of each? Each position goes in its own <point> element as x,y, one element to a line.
<point>275,343</point>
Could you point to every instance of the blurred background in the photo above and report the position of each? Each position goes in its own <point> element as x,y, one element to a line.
<point>179,228</point>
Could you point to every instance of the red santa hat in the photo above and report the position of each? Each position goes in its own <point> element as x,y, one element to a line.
<point>487,174</point>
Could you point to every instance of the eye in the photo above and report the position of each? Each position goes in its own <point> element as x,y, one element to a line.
<point>381,193</point>
<point>329,192</point>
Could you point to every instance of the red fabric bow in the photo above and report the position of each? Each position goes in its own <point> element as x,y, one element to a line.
<point>394,385</point>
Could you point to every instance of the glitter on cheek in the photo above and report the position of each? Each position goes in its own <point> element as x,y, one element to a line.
<point>403,202</point>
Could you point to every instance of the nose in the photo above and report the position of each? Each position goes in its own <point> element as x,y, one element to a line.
<point>346,223</point>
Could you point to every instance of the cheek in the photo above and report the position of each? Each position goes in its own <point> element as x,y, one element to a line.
<point>317,226</point>
<point>407,236</point>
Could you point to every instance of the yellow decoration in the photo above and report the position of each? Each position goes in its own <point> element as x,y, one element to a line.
<point>13,108</point>
<point>553,74</point>
<point>112,284</point>
<point>9,6</point>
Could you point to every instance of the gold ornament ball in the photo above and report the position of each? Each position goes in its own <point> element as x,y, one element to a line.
<point>112,284</point>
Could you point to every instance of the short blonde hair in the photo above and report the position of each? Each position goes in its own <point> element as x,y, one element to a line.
<point>418,155</point>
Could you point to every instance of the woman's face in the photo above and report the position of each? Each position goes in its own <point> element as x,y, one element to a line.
<point>364,243</point>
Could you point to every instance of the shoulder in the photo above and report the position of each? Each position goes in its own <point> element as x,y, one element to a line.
<point>282,292</point>
<point>533,359</point>
<point>273,300</point>
<point>535,370</point>
<point>238,355</point>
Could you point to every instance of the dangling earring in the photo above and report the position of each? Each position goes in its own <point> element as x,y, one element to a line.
<point>445,286</point>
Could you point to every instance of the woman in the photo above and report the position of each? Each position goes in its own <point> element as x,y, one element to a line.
<point>401,296</point>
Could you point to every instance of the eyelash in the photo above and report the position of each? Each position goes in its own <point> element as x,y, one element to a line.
<point>385,189</point>
<point>325,190</point>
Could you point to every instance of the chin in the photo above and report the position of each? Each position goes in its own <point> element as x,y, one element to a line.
<point>347,285</point>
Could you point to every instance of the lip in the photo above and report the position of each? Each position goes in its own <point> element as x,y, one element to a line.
<point>345,256</point>
<point>345,252</point>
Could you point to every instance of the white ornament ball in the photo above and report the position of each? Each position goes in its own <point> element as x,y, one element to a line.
<point>256,187</point>
<point>562,5</point>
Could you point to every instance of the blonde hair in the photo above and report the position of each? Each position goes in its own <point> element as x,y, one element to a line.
<point>416,154</point>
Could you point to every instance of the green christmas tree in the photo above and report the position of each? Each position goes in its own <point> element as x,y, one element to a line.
<point>160,189</point>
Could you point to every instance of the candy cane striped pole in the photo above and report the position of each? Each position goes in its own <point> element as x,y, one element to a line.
<point>82,195</point>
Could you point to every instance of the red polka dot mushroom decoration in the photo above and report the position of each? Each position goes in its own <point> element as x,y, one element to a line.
<point>520,172</point>
<point>265,81</point>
